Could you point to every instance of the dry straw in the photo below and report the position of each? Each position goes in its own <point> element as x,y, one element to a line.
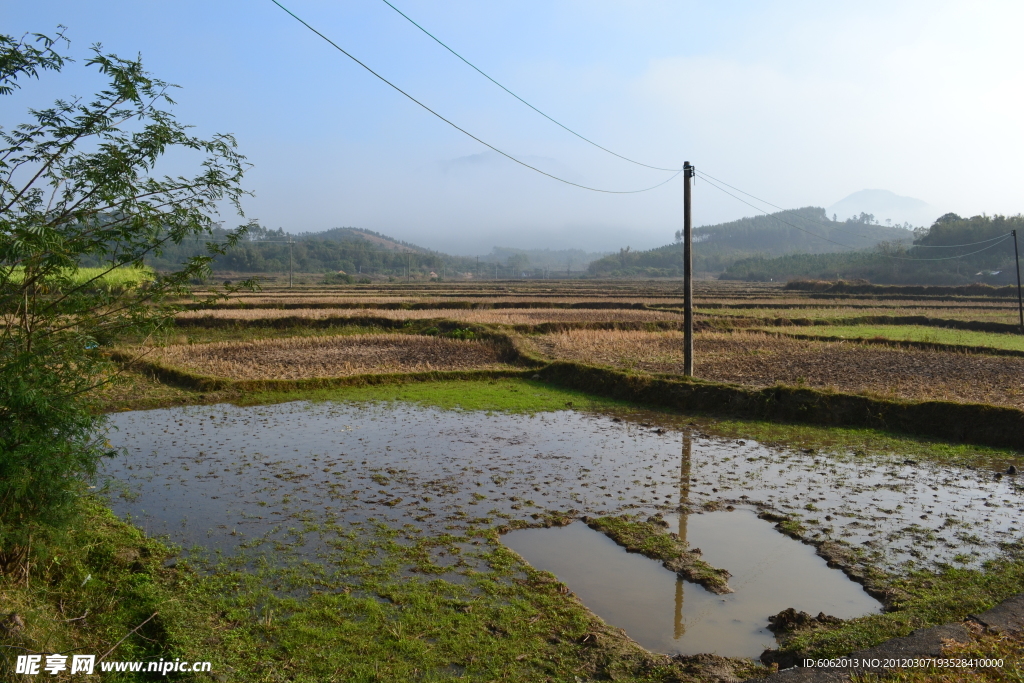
<point>335,356</point>
<point>505,316</point>
<point>758,359</point>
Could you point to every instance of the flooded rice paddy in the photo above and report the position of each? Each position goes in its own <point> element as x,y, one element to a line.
<point>770,572</point>
<point>229,478</point>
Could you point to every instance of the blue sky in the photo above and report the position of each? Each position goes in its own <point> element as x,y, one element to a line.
<point>798,102</point>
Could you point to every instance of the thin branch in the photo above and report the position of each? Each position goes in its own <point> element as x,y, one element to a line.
<point>77,618</point>
<point>61,149</point>
<point>126,636</point>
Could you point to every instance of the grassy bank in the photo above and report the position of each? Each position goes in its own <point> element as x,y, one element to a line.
<point>927,599</point>
<point>915,333</point>
<point>358,615</point>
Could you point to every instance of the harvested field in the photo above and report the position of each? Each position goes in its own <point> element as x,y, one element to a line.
<point>503,316</point>
<point>1000,314</point>
<point>758,359</point>
<point>305,357</point>
<point>483,302</point>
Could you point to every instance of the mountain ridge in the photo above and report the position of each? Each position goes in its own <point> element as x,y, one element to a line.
<point>716,247</point>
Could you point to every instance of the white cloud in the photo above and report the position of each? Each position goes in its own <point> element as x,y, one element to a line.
<point>932,111</point>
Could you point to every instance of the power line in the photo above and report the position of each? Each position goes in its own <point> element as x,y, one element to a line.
<point>950,258</point>
<point>560,125</point>
<point>950,246</point>
<point>1001,239</point>
<point>833,226</point>
<point>463,130</point>
<point>757,208</point>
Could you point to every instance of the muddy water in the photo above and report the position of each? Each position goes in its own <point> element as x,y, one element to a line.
<point>219,476</point>
<point>770,572</point>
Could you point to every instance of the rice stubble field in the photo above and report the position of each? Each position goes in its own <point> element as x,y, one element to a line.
<point>760,359</point>
<point>331,356</point>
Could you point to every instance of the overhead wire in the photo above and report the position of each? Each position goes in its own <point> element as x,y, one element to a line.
<point>1001,238</point>
<point>832,225</point>
<point>557,123</point>
<point>757,208</point>
<point>708,178</point>
<point>950,258</point>
<point>463,130</point>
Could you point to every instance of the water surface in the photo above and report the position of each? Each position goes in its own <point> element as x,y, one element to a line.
<point>770,572</point>
<point>222,475</point>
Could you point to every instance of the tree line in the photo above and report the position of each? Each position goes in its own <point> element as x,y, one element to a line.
<point>717,247</point>
<point>990,262</point>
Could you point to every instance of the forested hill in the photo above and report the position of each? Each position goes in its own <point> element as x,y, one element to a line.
<point>716,247</point>
<point>934,258</point>
<point>352,250</point>
<point>360,234</point>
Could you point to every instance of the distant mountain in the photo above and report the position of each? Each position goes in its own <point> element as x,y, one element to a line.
<point>716,247</point>
<point>885,205</point>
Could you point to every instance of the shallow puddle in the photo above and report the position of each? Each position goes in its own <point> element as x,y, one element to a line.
<point>222,475</point>
<point>770,572</point>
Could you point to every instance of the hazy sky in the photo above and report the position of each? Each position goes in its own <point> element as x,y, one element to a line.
<point>801,103</point>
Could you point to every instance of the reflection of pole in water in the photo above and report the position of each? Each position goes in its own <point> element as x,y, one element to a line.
<point>684,500</point>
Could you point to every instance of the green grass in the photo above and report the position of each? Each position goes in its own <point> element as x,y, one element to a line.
<point>651,539</point>
<point>858,442</point>
<point>113,574</point>
<point>1006,647</point>
<point>979,313</point>
<point>507,395</point>
<point>354,615</point>
<point>929,598</point>
<point>916,333</point>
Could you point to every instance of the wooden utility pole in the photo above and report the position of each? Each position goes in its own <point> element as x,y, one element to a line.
<point>1016,258</point>
<point>289,262</point>
<point>687,272</point>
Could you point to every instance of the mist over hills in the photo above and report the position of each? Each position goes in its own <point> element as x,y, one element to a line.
<point>885,206</point>
<point>359,253</point>
<point>804,232</point>
<point>808,231</point>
